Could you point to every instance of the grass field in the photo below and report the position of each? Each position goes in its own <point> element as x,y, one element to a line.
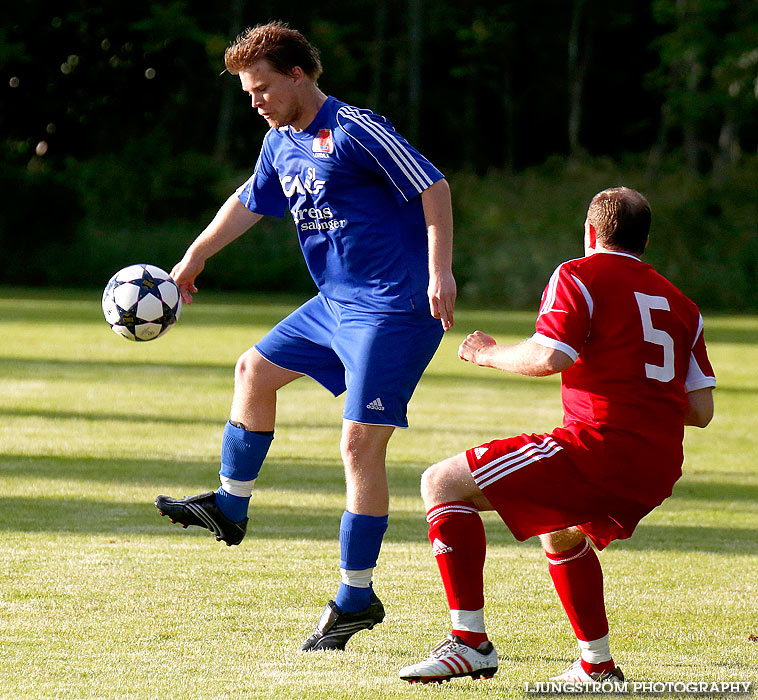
<point>100,597</point>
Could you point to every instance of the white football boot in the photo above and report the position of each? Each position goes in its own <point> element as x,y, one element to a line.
<point>451,658</point>
<point>576,675</point>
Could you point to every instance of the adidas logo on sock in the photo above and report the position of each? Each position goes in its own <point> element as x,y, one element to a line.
<point>375,405</point>
<point>439,547</point>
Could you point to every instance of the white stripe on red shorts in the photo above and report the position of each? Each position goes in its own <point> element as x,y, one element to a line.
<point>513,461</point>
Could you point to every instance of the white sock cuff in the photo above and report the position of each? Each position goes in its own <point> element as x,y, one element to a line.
<point>241,489</point>
<point>595,651</point>
<point>468,620</point>
<point>357,578</point>
<point>448,508</point>
<point>578,555</point>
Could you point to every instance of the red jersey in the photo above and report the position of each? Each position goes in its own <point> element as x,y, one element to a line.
<point>638,347</point>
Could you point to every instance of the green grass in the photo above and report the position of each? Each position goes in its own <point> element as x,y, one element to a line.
<point>99,597</point>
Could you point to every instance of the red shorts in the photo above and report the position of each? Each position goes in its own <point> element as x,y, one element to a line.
<point>537,485</point>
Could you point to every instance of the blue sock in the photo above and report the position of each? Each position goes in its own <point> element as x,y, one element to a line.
<point>233,507</point>
<point>242,455</point>
<point>360,542</point>
<point>351,599</point>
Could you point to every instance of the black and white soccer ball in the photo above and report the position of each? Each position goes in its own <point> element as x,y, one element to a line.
<point>141,302</point>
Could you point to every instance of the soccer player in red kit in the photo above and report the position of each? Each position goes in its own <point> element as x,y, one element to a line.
<point>630,349</point>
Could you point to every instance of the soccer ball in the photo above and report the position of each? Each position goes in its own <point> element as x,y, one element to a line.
<point>141,302</point>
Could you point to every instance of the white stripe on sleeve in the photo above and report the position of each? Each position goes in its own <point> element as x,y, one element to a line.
<point>585,293</point>
<point>696,378</point>
<point>394,148</point>
<point>556,345</point>
<point>547,305</point>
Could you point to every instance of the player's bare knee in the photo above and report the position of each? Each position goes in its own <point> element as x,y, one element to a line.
<point>357,453</point>
<point>244,370</point>
<point>364,446</point>
<point>436,484</point>
<point>253,372</point>
<point>349,450</point>
<point>428,481</point>
<point>562,540</point>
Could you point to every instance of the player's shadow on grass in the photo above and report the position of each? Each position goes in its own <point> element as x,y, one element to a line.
<point>107,417</point>
<point>731,489</point>
<point>131,370</point>
<point>319,476</point>
<point>122,520</point>
<point>302,474</point>
<point>174,373</point>
<point>691,538</point>
<point>297,484</point>
<point>722,330</point>
<point>324,477</point>
<point>283,426</point>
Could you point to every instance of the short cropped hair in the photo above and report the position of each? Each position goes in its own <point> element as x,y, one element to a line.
<point>282,47</point>
<point>621,219</point>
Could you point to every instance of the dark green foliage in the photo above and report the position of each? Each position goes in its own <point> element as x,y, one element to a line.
<point>512,230</point>
<point>146,182</point>
<point>120,138</point>
<point>40,215</point>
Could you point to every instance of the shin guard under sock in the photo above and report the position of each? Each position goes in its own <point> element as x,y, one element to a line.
<point>360,541</point>
<point>578,580</point>
<point>459,545</point>
<point>242,455</point>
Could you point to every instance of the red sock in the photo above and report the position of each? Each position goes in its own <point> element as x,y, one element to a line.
<point>459,546</point>
<point>578,580</point>
<point>597,668</point>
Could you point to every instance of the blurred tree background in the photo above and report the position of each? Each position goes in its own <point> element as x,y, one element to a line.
<point>120,138</point>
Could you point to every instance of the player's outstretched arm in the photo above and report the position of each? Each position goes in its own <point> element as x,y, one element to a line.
<point>231,221</point>
<point>700,407</point>
<point>527,358</point>
<point>438,213</point>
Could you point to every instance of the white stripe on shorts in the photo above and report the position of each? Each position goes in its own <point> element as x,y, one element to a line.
<point>513,461</point>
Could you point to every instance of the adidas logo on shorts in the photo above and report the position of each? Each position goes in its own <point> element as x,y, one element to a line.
<point>375,405</point>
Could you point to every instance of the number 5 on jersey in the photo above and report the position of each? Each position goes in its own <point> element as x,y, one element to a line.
<point>646,303</point>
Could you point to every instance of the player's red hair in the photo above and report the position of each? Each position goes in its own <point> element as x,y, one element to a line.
<point>282,47</point>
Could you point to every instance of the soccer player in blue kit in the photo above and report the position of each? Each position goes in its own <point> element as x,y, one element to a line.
<point>374,220</point>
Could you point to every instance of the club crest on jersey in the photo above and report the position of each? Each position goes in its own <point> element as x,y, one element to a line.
<point>323,144</point>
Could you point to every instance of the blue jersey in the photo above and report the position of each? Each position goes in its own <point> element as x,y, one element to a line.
<point>352,184</point>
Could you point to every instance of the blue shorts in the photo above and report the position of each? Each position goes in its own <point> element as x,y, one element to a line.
<point>377,357</point>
